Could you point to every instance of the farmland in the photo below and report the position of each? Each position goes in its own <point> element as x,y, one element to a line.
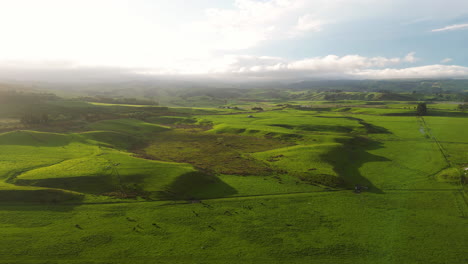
<point>256,182</point>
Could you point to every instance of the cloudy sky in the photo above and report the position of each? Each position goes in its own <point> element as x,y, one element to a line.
<point>238,38</point>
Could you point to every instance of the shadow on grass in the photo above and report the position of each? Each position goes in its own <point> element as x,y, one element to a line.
<point>189,186</point>
<point>369,128</point>
<point>431,112</point>
<point>196,185</point>
<point>43,200</point>
<point>350,156</point>
<point>34,139</point>
<point>83,184</point>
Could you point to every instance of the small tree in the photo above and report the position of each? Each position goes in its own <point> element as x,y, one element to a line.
<point>44,118</point>
<point>463,107</point>
<point>421,109</point>
<point>30,118</point>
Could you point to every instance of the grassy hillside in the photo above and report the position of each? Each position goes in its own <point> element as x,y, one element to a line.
<point>127,126</point>
<point>108,183</point>
<point>72,162</point>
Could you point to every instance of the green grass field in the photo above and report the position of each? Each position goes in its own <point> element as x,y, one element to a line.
<point>209,185</point>
<point>332,227</point>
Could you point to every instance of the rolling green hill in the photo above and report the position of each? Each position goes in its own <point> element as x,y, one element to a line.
<point>110,183</point>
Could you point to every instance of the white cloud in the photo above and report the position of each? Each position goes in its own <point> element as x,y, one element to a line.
<point>410,57</point>
<point>428,71</point>
<point>331,66</point>
<point>307,23</point>
<point>236,67</point>
<point>145,34</point>
<point>330,63</point>
<point>246,25</point>
<point>349,66</point>
<point>446,60</point>
<point>451,28</point>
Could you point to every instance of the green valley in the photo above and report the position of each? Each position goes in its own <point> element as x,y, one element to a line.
<point>266,180</point>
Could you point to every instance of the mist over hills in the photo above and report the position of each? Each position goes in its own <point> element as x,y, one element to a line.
<point>138,82</point>
<point>205,90</point>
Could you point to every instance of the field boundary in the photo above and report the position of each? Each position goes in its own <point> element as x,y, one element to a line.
<point>428,131</point>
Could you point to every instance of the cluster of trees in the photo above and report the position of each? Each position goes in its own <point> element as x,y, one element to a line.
<point>463,107</point>
<point>421,109</point>
<point>34,119</point>
<point>16,97</point>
